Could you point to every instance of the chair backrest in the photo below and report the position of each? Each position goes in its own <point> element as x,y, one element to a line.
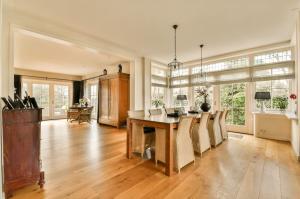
<point>155,111</point>
<point>170,110</point>
<point>223,116</point>
<point>184,126</point>
<point>139,113</point>
<point>217,117</point>
<point>204,120</point>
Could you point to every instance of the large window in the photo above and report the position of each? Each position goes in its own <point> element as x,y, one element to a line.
<point>41,94</point>
<point>273,57</point>
<point>93,95</point>
<point>180,91</point>
<point>277,88</point>
<point>232,97</point>
<point>53,96</point>
<point>61,99</point>
<point>158,96</point>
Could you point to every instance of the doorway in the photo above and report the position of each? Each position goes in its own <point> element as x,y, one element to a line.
<point>53,96</point>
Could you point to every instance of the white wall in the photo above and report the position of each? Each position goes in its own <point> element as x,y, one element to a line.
<point>137,84</point>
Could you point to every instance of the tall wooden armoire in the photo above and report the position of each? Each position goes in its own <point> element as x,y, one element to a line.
<point>113,99</point>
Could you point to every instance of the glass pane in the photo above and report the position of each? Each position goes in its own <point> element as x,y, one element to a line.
<point>24,88</point>
<point>238,116</point>
<point>94,99</point>
<point>61,99</point>
<point>41,94</point>
<point>233,98</point>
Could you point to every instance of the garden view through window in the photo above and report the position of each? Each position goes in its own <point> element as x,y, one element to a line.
<point>232,98</point>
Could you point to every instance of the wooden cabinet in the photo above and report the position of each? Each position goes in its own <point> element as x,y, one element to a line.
<point>113,99</point>
<point>21,148</point>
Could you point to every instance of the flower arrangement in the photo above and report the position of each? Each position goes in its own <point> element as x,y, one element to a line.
<point>293,96</point>
<point>84,101</point>
<point>202,92</point>
<point>157,102</point>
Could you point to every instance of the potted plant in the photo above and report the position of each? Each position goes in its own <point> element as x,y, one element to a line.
<point>280,102</point>
<point>202,92</point>
<point>157,102</point>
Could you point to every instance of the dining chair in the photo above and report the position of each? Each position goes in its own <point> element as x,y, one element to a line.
<point>223,125</point>
<point>215,133</point>
<point>141,136</point>
<point>183,148</point>
<point>200,135</point>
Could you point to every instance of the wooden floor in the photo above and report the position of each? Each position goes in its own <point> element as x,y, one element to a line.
<point>88,161</point>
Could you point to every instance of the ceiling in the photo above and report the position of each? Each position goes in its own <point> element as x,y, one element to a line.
<point>145,26</point>
<point>41,53</point>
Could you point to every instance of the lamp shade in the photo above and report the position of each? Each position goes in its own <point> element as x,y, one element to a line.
<point>262,96</point>
<point>181,97</point>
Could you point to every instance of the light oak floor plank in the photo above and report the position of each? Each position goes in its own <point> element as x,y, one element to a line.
<point>88,161</point>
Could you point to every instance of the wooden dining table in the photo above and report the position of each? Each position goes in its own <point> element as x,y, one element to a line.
<point>157,121</point>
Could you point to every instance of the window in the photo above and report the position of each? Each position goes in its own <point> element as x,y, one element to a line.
<point>61,99</point>
<point>41,94</point>
<point>198,100</point>
<point>93,95</point>
<point>277,88</point>
<point>180,82</point>
<point>180,91</point>
<point>24,89</point>
<point>224,65</point>
<point>158,96</point>
<point>232,97</point>
<point>180,72</point>
<point>273,57</point>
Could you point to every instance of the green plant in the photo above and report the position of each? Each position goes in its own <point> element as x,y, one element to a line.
<point>280,102</point>
<point>157,102</point>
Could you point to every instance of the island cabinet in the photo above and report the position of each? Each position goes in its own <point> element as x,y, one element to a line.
<point>113,99</point>
<point>21,149</point>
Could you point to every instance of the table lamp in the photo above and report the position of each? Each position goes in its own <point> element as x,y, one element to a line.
<point>262,97</point>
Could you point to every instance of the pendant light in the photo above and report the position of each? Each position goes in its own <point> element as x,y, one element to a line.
<point>175,65</point>
<point>203,75</point>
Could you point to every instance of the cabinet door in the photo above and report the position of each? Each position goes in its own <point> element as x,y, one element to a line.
<point>114,99</point>
<point>21,154</point>
<point>104,99</point>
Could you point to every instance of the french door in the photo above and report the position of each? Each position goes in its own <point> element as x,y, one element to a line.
<point>234,97</point>
<point>53,97</point>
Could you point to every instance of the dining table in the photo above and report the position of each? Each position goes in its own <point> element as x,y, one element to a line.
<point>162,122</point>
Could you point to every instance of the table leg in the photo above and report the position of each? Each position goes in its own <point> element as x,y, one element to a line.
<point>169,150</point>
<point>129,138</point>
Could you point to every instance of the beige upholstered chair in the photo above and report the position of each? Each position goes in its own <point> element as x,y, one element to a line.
<point>183,147</point>
<point>215,133</point>
<point>200,135</point>
<point>139,138</point>
<point>222,124</point>
<point>155,111</point>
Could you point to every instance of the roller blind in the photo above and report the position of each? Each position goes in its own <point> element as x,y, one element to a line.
<point>274,65</point>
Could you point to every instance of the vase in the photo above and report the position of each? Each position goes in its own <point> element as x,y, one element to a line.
<point>205,107</point>
<point>86,104</point>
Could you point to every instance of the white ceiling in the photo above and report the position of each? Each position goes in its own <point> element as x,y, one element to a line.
<point>41,53</point>
<point>145,25</point>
